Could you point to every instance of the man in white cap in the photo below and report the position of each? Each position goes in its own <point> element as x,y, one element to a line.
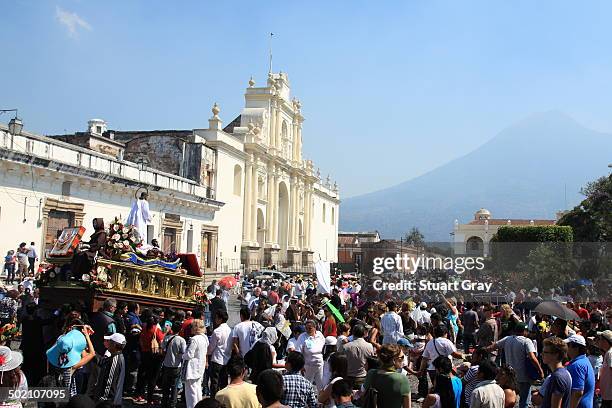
<point>604,340</point>
<point>108,384</point>
<point>420,315</point>
<point>581,370</point>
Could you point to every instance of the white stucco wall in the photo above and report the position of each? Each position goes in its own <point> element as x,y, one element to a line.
<point>229,219</point>
<point>100,201</point>
<point>324,234</point>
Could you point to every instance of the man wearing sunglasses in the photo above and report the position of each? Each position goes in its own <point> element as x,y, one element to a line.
<point>557,388</point>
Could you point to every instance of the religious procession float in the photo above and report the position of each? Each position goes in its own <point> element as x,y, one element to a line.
<point>117,263</point>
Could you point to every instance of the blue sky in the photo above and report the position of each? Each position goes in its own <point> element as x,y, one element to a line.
<point>389,89</point>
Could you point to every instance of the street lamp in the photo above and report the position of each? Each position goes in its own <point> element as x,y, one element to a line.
<point>15,125</point>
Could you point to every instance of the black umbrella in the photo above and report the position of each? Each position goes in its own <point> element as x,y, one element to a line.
<point>557,309</point>
<point>527,305</point>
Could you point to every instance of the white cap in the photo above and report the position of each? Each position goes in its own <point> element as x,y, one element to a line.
<point>576,339</point>
<point>116,338</point>
<point>423,304</point>
<point>331,341</point>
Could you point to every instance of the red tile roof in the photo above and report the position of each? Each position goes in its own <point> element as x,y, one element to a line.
<point>346,240</point>
<point>495,221</point>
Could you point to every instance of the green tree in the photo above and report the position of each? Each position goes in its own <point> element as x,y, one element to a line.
<point>591,220</point>
<point>415,237</point>
<point>548,265</point>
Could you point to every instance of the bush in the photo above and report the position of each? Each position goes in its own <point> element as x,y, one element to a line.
<point>534,233</point>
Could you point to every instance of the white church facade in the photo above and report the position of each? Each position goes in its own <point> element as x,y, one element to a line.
<point>239,194</point>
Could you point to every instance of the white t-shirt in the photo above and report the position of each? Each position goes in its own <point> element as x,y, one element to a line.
<point>220,346</point>
<point>605,376</point>
<point>247,333</point>
<point>291,344</point>
<point>311,348</point>
<point>444,347</point>
<point>28,284</point>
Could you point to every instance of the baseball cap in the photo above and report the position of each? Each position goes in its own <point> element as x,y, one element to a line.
<point>404,342</point>
<point>116,338</point>
<point>606,334</point>
<point>576,339</point>
<point>423,304</point>
<point>331,341</point>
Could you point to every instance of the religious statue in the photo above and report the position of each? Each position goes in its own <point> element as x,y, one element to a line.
<point>122,281</point>
<point>151,251</point>
<point>137,282</point>
<point>139,215</point>
<point>83,261</point>
<point>154,286</point>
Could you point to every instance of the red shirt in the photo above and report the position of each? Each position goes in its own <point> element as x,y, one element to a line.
<point>583,313</point>
<point>147,336</point>
<point>273,297</point>
<point>186,329</point>
<point>329,327</point>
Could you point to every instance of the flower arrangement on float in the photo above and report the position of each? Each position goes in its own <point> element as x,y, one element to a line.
<point>97,279</point>
<point>8,332</point>
<point>199,297</point>
<point>122,238</point>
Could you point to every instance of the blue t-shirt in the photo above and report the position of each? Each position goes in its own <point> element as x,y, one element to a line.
<point>559,382</point>
<point>457,387</point>
<point>583,379</point>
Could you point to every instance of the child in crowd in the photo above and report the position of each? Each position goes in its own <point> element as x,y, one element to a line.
<point>111,374</point>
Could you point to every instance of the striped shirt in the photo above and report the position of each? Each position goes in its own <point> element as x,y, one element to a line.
<point>109,383</point>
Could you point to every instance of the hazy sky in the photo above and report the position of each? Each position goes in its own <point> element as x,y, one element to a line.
<point>389,89</point>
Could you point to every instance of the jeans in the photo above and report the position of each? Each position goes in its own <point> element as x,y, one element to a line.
<point>23,270</point>
<point>10,272</point>
<point>31,265</point>
<point>524,394</point>
<point>132,362</point>
<point>169,391</point>
<point>218,377</point>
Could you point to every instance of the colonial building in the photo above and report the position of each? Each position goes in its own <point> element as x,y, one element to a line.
<point>351,246</point>
<point>473,238</point>
<point>240,194</point>
<point>290,214</point>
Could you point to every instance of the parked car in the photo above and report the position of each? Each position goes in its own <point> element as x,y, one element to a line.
<point>267,274</point>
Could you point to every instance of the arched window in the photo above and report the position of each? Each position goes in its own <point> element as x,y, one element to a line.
<point>474,246</point>
<point>323,215</point>
<point>284,130</point>
<point>333,216</point>
<point>237,180</point>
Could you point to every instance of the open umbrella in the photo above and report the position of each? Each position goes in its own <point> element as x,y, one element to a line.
<point>334,311</point>
<point>585,282</point>
<point>557,309</point>
<point>228,282</point>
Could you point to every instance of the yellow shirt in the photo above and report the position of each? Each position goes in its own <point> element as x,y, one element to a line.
<point>238,396</point>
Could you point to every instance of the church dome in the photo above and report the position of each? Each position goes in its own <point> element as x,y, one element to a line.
<point>482,214</point>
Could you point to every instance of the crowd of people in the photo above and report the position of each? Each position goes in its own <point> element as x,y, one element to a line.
<point>21,262</point>
<point>296,347</point>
